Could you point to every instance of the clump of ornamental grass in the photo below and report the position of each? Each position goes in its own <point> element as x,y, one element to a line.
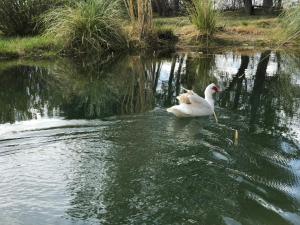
<point>92,26</point>
<point>203,15</point>
<point>290,21</point>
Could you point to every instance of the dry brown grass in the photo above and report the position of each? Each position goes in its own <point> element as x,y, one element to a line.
<point>234,31</point>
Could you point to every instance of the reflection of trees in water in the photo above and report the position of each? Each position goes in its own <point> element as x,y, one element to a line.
<point>130,84</point>
<point>199,72</point>
<point>133,84</point>
<point>139,85</point>
<point>26,91</point>
<point>237,84</point>
<point>127,86</point>
<point>91,90</point>
<point>170,88</point>
<point>258,87</point>
<point>269,98</point>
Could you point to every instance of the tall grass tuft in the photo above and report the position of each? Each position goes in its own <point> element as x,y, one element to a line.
<point>20,17</point>
<point>203,15</point>
<point>290,21</point>
<point>91,26</point>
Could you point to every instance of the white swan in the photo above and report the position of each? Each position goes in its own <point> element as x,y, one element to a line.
<point>192,105</point>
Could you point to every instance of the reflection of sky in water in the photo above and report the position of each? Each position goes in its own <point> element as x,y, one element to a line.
<point>165,71</point>
<point>228,65</point>
<point>164,74</point>
<point>272,66</point>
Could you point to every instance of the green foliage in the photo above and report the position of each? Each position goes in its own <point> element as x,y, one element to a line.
<point>91,26</point>
<point>20,17</point>
<point>203,15</point>
<point>290,21</point>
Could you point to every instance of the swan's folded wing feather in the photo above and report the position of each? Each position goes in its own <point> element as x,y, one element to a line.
<point>196,99</point>
<point>183,98</point>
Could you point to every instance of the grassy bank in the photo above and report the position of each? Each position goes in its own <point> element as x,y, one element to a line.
<point>28,47</point>
<point>233,30</point>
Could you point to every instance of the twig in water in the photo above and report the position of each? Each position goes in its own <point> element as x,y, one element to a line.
<point>215,117</point>
<point>236,137</point>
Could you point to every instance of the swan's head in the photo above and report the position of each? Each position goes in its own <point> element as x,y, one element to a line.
<point>212,88</point>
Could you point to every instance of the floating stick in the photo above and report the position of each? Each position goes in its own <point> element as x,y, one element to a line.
<point>215,117</point>
<point>236,137</point>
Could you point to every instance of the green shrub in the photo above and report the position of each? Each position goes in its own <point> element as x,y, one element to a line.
<point>165,33</point>
<point>290,21</point>
<point>20,17</point>
<point>203,15</point>
<point>91,26</point>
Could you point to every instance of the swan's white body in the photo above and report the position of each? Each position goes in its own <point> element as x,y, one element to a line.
<point>192,105</point>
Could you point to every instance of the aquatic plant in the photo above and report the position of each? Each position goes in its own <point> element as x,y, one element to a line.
<point>203,15</point>
<point>21,17</point>
<point>91,26</point>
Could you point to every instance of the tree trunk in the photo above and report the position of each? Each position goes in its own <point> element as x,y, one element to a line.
<point>236,84</point>
<point>248,7</point>
<point>239,83</point>
<point>178,75</point>
<point>175,7</point>
<point>170,82</point>
<point>258,89</point>
<point>131,10</point>
<point>160,6</point>
<point>279,4</point>
<point>144,17</point>
<point>267,5</point>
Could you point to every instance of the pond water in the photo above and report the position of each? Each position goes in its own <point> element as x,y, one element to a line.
<point>92,143</point>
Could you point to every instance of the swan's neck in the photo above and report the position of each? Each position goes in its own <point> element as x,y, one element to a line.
<point>209,98</point>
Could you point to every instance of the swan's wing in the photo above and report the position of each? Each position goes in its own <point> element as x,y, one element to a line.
<point>180,110</point>
<point>196,99</point>
<point>183,98</point>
